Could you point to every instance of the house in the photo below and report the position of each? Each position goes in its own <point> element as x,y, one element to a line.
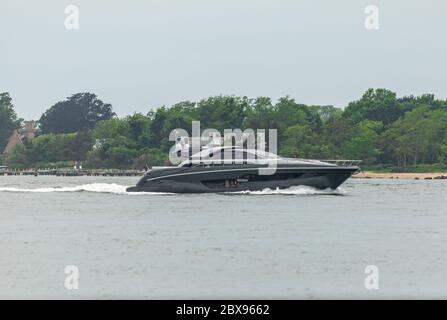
<point>29,131</point>
<point>18,137</point>
<point>14,140</point>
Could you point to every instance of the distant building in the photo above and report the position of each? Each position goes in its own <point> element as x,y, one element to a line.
<point>18,137</point>
<point>29,131</point>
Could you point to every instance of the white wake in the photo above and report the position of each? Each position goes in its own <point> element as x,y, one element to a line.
<point>113,188</point>
<point>297,190</point>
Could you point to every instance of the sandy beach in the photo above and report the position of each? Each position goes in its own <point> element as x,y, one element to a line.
<point>401,175</point>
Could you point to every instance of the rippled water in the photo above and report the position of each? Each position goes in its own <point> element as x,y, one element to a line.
<point>295,243</point>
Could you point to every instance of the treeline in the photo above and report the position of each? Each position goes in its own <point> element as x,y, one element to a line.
<point>379,128</point>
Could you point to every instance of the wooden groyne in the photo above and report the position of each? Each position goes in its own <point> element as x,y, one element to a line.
<point>72,172</point>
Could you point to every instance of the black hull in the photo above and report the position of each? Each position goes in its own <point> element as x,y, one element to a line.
<point>213,180</point>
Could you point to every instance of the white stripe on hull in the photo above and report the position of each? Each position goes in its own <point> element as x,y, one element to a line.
<point>246,169</point>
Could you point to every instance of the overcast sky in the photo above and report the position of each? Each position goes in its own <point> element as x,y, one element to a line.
<point>139,55</point>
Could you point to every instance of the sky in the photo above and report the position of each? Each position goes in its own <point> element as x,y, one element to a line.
<point>140,55</point>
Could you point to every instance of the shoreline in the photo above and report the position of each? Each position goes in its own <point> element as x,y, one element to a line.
<point>73,172</point>
<point>400,175</point>
<point>128,173</point>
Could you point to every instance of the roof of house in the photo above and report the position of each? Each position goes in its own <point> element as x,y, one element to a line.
<point>13,141</point>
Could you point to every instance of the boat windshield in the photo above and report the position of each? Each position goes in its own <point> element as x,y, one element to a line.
<point>227,155</point>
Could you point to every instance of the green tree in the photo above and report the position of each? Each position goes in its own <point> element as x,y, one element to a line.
<point>123,143</point>
<point>419,137</point>
<point>288,113</point>
<point>222,112</point>
<point>259,114</point>
<point>165,120</point>
<point>17,158</point>
<point>377,105</point>
<point>80,111</point>
<point>8,119</point>
<point>326,113</point>
<point>50,148</point>
<point>301,142</point>
<point>363,143</point>
<point>111,138</point>
<point>139,126</point>
<point>151,157</point>
<point>379,128</point>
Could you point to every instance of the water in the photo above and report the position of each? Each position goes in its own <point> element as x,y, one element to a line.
<point>296,243</point>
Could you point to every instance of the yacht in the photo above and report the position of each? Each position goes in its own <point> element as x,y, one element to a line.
<point>230,169</point>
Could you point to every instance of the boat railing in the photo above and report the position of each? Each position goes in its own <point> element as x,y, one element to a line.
<point>207,162</point>
<point>343,163</point>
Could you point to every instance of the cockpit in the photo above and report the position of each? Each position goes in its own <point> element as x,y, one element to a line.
<point>229,155</point>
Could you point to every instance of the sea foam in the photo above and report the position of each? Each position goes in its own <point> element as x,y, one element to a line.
<point>113,188</point>
<point>296,190</point>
